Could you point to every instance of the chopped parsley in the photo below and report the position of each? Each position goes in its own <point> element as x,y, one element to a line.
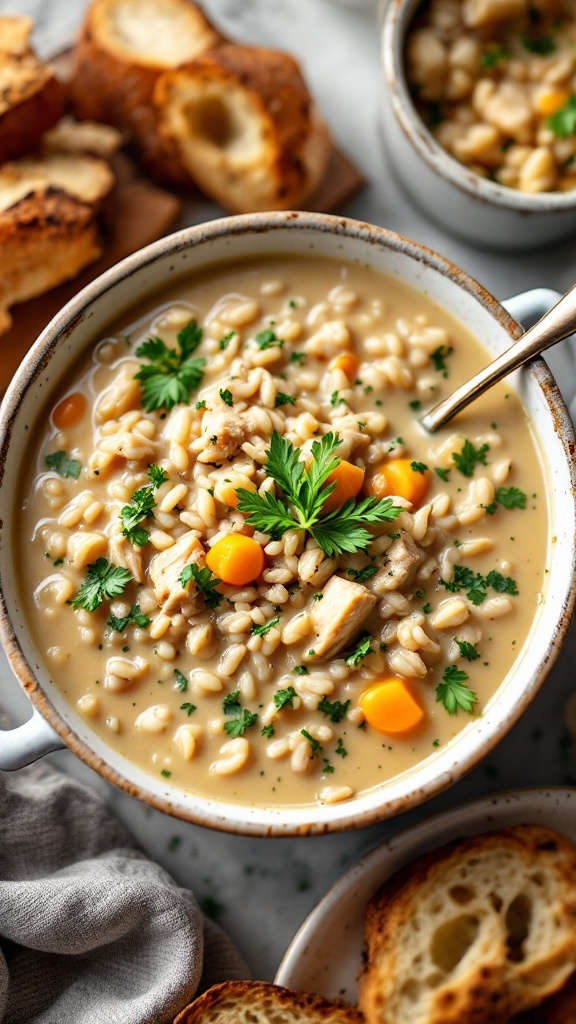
<point>476,585</point>
<point>181,681</point>
<point>188,707</point>
<point>157,475</point>
<point>243,718</point>
<point>61,463</point>
<point>300,670</point>
<point>225,341</point>
<point>263,630</point>
<point>226,396</point>
<point>415,405</point>
<point>361,575</point>
<point>335,399</point>
<point>231,703</point>
<point>141,507</point>
<point>267,731</point>
<point>315,745</point>
<point>171,375</point>
<point>542,45</point>
<point>305,490</point>
<point>200,405</point>
<point>134,616</point>
<point>102,581</point>
<point>205,583</point>
<point>267,339</point>
<point>283,399</point>
<point>335,710</point>
<point>283,697</point>
<point>444,474</point>
<point>298,357</point>
<point>362,650</point>
<point>493,56</point>
<point>439,357</point>
<point>418,467</point>
<point>467,650</point>
<point>511,497</point>
<point>453,693</point>
<point>341,749</point>
<point>563,121</point>
<point>467,459</point>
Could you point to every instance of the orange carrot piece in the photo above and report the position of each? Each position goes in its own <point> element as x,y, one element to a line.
<point>69,411</point>
<point>348,363</point>
<point>390,707</point>
<point>236,559</point>
<point>349,480</point>
<point>397,477</point>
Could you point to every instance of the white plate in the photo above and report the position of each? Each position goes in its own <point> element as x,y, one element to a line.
<point>325,955</point>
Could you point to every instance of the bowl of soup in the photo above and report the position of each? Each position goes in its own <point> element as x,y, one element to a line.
<point>239,579</point>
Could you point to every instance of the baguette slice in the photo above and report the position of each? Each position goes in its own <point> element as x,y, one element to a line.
<point>259,1002</point>
<point>478,932</point>
<point>560,1009</point>
<point>124,47</point>
<point>32,98</point>
<point>245,128</point>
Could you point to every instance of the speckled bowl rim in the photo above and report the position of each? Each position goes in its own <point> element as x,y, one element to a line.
<point>396,19</point>
<point>250,820</point>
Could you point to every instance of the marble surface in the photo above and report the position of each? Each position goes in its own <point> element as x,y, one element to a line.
<point>261,889</point>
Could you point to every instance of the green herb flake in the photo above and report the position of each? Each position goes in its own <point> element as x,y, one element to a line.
<point>511,497</point>
<point>418,467</point>
<point>283,399</point>
<point>103,581</point>
<point>225,341</point>
<point>226,396</point>
<point>165,773</point>
<point>467,650</point>
<point>493,56</point>
<point>541,45</point>
<point>361,651</point>
<point>298,357</point>
<point>188,708</point>
<point>171,374</point>
<point>469,457</point>
<point>231,703</point>
<point>453,693</point>
<point>200,405</point>
<point>60,462</point>
<point>181,681</point>
<point>140,508</point>
<point>415,405</point>
<point>335,710</point>
<point>285,697</point>
<point>267,731</point>
<point>315,745</point>
<point>300,670</point>
<point>341,749</point>
<point>237,726</point>
<point>361,575</point>
<point>264,629</point>
<point>135,616</point>
<point>204,581</point>
<point>267,339</point>
<point>439,357</point>
<point>157,476</point>
<point>444,474</point>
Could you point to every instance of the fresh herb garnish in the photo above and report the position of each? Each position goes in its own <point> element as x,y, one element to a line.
<point>453,693</point>
<point>61,463</point>
<point>225,341</point>
<point>205,583</point>
<point>341,749</point>
<point>361,575</point>
<point>493,56</point>
<point>305,491</point>
<point>467,650</point>
<point>267,731</point>
<point>467,459</point>
<point>418,467</point>
<point>415,405</point>
<point>231,703</point>
<point>134,616</point>
<point>315,745</point>
<point>511,497</point>
<point>170,376</point>
<point>157,475</point>
<point>283,697</point>
<point>283,399</point>
<point>102,581</point>
<point>335,399</point>
<point>335,710</point>
<point>140,508</point>
<point>563,121</point>
<point>542,45</point>
<point>226,396</point>
<point>267,339</point>
<point>188,708</point>
<point>362,650</point>
<point>264,629</point>
<point>181,681</point>
<point>300,670</point>
<point>444,474</point>
<point>501,584</point>
<point>244,720</point>
<point>439,357</point>
<point>475,584</point>
<point>298,357</point>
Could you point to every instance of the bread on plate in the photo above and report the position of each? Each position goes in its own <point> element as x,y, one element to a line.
<point>479,931</point>
<point>260,1002</point>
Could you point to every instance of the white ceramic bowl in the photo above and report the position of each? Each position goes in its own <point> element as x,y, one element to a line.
<point>81,323</point>
<point>325,955</point>
<point>464,203</point>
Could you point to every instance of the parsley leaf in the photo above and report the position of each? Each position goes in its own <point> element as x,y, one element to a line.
<point>362,650</point>
<point>418,467</point>
<point>135,616</point>
<point>501,584</point>
<point>300,670</point>
<point>267,731</point>
<point>266,339</point>
<point>283,697</point>
<point>181,681</point>
<point>475,584</point>
<point>170,376</point>
<point>467,650</point>
<point>61,463</point>
<point>316,747</point>
<point>298,357</point>
<point>283,399</point>
<point>305,490</point>
<point>140,508</point>
<point>225,341</point>
<point>237,726</point>
<point>341,749</point>
<point>361,575</point>
<point>335,710</point>
<point>542,45</point>
<point>444,474</point>
<point>439,357</point>
<point>205,583</point>
<point>563,122</point>
<point>157,475</point>
<point>188,708</point>
<point>467,459</point>
<point>102,581</point>
<point>231,703</point>
<point>493,56</point>
<point>264,629</point>
<point>511,497</point>
<point>226,396</point>
<point>453,693</point>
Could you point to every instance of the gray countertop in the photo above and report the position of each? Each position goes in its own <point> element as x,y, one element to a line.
<point>261,889</point>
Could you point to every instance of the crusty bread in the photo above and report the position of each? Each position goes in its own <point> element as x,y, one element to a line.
<point>478,932</point>
<point>260,1002</point>
<point>123,48</point>
<point>559,1009</point>
<point>32,98</point>
<point>245,127</point>
<point>70,136</point>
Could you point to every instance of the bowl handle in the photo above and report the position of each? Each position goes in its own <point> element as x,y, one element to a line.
<point>528,307</point>
<point>27,743</point>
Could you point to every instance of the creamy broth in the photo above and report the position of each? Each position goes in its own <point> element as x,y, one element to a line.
<point>187,691</point>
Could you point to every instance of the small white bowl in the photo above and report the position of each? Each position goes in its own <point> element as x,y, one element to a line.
<point>464,203</point>
<point>325,955</point>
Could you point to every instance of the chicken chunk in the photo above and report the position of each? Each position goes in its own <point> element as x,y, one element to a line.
<point>222,435</point>
<point>344,608</point>
<point>167,566</point>
<point>402,559</point>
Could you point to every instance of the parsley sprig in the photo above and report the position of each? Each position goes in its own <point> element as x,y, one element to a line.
<point>305,490</point>
<point>563,121</point>
<point>476,585</point>
<point>205,582</point>
<point>63,464</point>
<point>453,693</point>
<point>103,581</point>
<point>171,375</point>
<point>362,650</point>
<point>119,624</point>
<point>243,718</point>
<point>469,457</point>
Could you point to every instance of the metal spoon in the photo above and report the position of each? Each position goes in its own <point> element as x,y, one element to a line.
<point>558,323</point>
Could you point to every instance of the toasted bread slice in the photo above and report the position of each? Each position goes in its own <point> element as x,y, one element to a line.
<point>32,98</point>
<point>46,237</point>
<point>245,127</point>
<point>260,1002</point>
<point>123,48</point>
<point>559,1009</point>
<point>79,175</point>
<point>70,136</point>
<point>478,932</point>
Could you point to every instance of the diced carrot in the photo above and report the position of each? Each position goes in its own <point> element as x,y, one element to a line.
<point>226,492</point>
<point>236,559</point>
<point>348,363</point>
<point>390,707</point>
<point>69,411</point>
<point>549,102</point>
<point>349,480</point>
<point>397,477</point>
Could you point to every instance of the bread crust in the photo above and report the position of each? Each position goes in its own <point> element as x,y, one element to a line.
<point>112,86</point>
<point>284,151</point>
<point>244,1002</point>
<point>495,986</point>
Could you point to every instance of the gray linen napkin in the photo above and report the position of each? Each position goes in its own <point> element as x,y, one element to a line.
<point>91,932</point>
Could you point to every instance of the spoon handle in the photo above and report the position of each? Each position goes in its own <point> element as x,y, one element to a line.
<point>558,323</point>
